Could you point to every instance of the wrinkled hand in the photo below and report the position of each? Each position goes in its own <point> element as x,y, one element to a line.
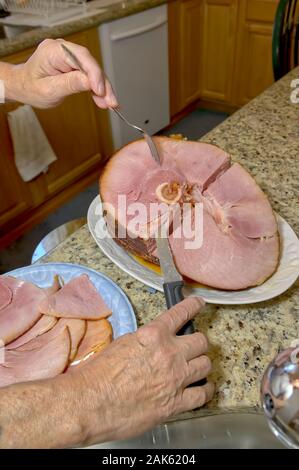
<point>144,377</point>
<point>49,76</point>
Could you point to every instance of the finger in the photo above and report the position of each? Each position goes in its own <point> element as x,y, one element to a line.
<point>70,83</point>
<point>195,397</point>
<point>180,314</point>
<point>100,102</point>
<point>89,65</point>
<point>110,97</point>
<point>193,345</point>
<point>199,368</point>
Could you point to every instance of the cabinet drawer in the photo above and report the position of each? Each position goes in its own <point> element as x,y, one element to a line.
<point>261,10</point>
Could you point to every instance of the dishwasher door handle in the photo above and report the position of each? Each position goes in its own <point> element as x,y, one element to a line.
<point>137,31</point>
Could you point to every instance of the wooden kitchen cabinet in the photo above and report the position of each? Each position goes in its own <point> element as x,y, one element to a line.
<point>254,72</point>
<point>184,18</point>
<point>217,49</point>
<point>79,134</point>
<point>202,49</point>
<point>220,52</point>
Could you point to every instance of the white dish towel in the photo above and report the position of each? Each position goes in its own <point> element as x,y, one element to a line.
<point>33,152</point>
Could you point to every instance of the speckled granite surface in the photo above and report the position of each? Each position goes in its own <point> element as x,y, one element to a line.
<point>264,137</point>
<point>35,36</point>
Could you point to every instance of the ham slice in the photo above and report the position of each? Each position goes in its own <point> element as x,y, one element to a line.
<point>77,329</point>
<point>44,324</point>
<point>97,337</point>
<point>240,236</point>
<point>39,341</point>
<point>5,295</point>
<point>54,287</point>
<point>77,299</point>
<point>40,346</point>
<point>22,311</point>
<point>43,357</point>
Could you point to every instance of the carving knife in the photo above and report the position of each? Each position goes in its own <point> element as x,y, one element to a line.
<point>173,281</point>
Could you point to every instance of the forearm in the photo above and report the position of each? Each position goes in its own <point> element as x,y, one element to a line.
<point>40,415</point>
<point>59,413</point>
<point>11,77</point>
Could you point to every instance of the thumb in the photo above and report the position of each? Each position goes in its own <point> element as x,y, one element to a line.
<point>176,317</point>
<point>72,82</point>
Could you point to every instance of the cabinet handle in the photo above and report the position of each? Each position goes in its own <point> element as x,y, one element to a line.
<point>137,31</point>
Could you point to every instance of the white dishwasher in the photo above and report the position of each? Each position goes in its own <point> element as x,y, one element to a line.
<point>135,58</point>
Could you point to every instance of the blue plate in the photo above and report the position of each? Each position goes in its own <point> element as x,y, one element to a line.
<point>122,319</point>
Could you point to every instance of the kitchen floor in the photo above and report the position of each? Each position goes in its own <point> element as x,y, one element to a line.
<point>20,253</point>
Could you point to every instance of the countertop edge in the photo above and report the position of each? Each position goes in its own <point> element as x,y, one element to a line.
<point>26,40</point>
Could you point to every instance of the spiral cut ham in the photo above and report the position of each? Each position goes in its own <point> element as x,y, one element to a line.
<point>44,331</point>
<point>240,243</point>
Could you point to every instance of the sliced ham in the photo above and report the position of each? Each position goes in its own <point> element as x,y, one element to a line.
<point>44,324</point>
<point>41,358</point>
<point>43,346</point>
<point>243,206</point>
<point>240,236</point>
<point>54,287</point>
<point>97,337</point>
<point>77,299</point>
<point>39,341</point>
<point>22,311</point>
<point>5,295</point>
<point>77,329</point>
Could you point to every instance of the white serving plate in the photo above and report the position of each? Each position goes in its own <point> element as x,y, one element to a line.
<point>285,275</point>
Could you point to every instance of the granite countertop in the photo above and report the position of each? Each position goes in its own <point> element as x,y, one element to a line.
<point>35,36</point>
<point>264,137</point>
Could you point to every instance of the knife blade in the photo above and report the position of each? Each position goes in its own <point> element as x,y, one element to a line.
<point>173,282</point>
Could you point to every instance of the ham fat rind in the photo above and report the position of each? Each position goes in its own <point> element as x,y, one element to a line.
<point>240,236</point>
<point>97,337</point>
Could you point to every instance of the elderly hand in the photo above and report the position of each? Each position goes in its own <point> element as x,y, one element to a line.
<point>144,377</point>
<point>139,381</point>
<point>49,76</point>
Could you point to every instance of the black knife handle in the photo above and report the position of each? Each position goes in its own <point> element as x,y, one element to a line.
<point>174,295</point>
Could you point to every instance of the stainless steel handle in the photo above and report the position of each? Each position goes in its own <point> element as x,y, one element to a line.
<point>138,31</point>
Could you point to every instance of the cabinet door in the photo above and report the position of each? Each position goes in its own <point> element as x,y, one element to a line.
<point>217,52</point>
<point>15,196</point>
<point>254,71</point>
<point>184,17</point>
